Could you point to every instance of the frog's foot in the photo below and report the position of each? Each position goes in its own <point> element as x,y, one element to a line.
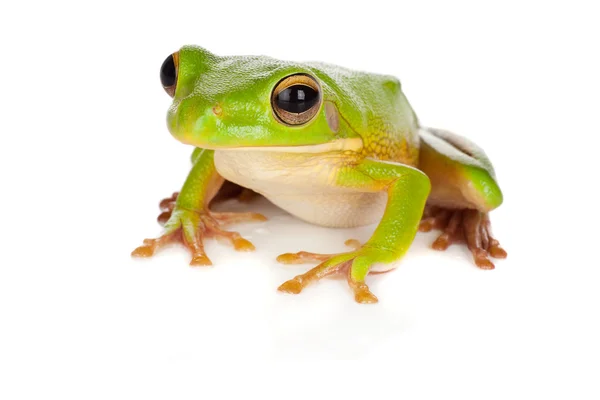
<point>182,227</point>
<point>466,225</point>
<point>434,218</point>
<point>167,205</point>
<point>304,257</point>
<point>213,221</point>
<point>191,227</point>
<point>355,264</point>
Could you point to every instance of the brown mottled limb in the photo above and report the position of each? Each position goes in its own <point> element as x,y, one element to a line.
<point>433,218</point>
<point>473,235</point>
<point>493,245</point>
<point>463,191</point>
<point>451,232</point>
<point>468,226</point>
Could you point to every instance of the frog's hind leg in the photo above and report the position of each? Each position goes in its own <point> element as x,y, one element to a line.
<point>464,191</point>
<point>465,226</point>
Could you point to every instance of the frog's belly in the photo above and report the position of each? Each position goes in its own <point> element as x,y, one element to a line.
<point>303,185</point>
<point>333,209</point>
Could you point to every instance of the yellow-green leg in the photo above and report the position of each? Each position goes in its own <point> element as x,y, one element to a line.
<point>187,217</point>
<point>225,190</point>
<point>407,190</point>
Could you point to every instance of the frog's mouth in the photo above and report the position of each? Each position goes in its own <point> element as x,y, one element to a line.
<point>208,131</point>
<point>338,145</point>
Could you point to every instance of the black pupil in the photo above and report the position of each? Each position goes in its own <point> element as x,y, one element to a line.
<point>168,75</point>
<point>297,98</point>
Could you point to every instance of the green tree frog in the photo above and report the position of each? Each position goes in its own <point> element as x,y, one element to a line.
<point>332,146</point>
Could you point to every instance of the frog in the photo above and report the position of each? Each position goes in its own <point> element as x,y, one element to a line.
<point>332,146</point>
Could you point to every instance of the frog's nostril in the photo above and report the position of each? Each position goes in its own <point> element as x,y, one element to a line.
<point>217,110</point>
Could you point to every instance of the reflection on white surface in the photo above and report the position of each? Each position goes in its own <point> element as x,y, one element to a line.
<point>323,319</point>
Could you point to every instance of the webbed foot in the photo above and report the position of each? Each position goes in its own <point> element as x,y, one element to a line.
<point>303,257</point>
<point>191,227</point>
<point>167,205</point>
<point>463,226</point>
<point>354,264</point>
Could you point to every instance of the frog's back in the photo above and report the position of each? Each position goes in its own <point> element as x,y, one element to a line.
<point>375,107</point>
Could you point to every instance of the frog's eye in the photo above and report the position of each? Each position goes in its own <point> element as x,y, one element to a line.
<point>296,99</point>
<point>168,73</point>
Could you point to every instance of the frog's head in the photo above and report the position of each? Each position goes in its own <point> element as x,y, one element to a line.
<point>253,103</point>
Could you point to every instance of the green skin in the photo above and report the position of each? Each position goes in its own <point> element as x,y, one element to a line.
<point>223,103</point>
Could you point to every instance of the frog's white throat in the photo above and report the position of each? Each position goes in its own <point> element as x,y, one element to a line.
<point>302,180</point>
<point>348,144</point>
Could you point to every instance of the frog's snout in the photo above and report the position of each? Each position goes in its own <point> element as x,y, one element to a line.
<point>192,120</point>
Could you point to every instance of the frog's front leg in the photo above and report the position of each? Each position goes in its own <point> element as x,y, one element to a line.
<point>407,190</point>
<point>190,220</point>
<point>464,190</point>
<point>228,190</point>
<point>225,191</point>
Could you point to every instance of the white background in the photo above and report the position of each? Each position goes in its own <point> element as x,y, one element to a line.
<point>85,156</point>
